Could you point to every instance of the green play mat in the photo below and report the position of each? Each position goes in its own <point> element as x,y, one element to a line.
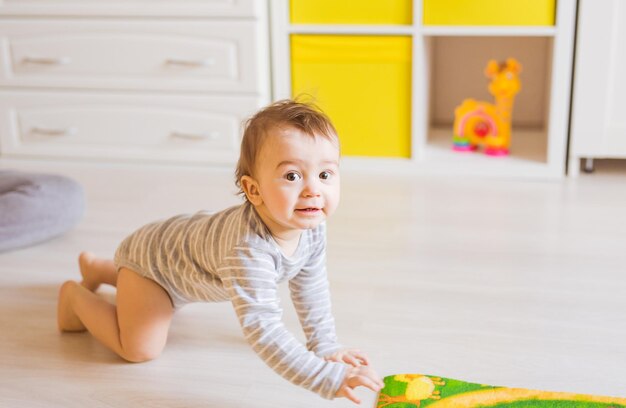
<point>420,390</point>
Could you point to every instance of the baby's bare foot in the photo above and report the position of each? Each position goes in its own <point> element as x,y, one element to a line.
<point>90,279</point>
<point>66,318</point>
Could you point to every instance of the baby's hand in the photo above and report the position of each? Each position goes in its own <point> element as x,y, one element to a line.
<point>356,377</point>
<point>349,356</point>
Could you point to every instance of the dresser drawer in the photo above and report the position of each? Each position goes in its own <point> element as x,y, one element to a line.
<point>130,54</point>
<point>191,8</point>
<point>185,129</point>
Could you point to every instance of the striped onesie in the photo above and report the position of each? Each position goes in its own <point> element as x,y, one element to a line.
<point>231,256</point>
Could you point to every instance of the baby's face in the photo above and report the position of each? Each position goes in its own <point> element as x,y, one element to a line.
<point>298,180</point>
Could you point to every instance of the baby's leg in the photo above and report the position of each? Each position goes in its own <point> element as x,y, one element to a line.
<point>136,329</point>
<point>96,271</point>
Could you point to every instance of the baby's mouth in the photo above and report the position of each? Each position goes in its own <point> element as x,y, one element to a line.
<point>309,210</point>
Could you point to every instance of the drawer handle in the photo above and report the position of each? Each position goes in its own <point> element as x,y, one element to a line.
<point>47,61</point>
<point>195,136</point>
<point>207,62</point>
<point>54,132</point>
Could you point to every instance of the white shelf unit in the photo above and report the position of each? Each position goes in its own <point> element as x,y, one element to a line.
<point>538,151</point>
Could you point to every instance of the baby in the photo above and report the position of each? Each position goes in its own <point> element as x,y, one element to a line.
<point>288,172</point>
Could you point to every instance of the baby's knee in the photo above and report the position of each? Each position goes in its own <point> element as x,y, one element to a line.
<point>140,353</point>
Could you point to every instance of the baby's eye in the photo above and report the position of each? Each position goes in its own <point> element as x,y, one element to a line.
<point>325,175</point>
<point>293,176</point>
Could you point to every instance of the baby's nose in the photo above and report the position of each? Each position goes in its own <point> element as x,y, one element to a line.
<point>311,189</point>
<point>310,193</point>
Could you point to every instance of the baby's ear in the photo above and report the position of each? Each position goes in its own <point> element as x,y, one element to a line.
<point>251,189</point>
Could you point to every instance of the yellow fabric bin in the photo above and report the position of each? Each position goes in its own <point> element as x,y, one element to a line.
<point>364,84</point>
<point>351,12</point>
<point>489,12</point>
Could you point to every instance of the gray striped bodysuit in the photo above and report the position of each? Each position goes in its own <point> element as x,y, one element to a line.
<point>231,256</point>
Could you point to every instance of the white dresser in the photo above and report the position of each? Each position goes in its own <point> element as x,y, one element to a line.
<point>134,80</point>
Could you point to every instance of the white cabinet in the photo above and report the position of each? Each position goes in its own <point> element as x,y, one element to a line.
<point>165,82</point>
<point>598,110</point>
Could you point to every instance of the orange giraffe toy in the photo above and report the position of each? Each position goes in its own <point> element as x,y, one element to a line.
<point>482,124</point>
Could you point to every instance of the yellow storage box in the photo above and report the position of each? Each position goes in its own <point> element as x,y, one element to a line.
<point>351,12</point>
<point>489,12</point>
<point>364,84</point>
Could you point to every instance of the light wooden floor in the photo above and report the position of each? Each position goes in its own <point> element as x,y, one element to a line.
<point>499,282</point>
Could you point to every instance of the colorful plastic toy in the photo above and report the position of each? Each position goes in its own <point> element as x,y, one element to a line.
<point>482,124</point>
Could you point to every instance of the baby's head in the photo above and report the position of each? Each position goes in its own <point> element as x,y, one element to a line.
<point>286,113</point>
<point>289,163</point>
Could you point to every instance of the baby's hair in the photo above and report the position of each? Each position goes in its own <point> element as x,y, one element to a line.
<point>304,116</point>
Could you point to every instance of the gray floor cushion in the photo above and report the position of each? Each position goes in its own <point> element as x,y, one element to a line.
<point>36,207</point>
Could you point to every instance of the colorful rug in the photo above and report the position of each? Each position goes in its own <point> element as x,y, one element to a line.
<point>417,390</point>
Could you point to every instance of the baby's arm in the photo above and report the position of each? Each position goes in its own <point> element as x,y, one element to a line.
<point>310,295</point>
<point>249,276</point>
<point>322,339</point>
